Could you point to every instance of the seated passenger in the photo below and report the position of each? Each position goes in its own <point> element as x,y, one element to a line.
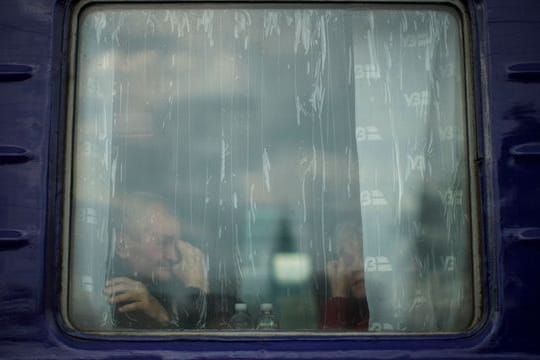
<point>157,280</point>
<point>347,308</point>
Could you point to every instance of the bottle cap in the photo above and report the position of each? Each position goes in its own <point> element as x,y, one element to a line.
<point>266,307</point>
<point>240,307</point>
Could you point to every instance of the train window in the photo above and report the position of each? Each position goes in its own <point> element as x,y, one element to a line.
<point>257,168</point>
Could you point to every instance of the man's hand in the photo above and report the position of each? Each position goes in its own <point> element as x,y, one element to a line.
<point>133,295</point>
<point>191,268</point>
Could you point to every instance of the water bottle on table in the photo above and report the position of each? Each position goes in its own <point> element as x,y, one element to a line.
<point>240,320</point>
<point>267,320</point>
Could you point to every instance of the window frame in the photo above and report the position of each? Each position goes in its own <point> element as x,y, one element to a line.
<point>480,310</point>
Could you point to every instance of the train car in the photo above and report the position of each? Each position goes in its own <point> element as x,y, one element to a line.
<point>269,179</point>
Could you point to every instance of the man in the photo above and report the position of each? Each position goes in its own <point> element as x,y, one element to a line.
<point>157,280</point>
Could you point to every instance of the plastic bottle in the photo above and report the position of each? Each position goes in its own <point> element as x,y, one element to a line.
<point>240,319</point>
<point>267,320</point>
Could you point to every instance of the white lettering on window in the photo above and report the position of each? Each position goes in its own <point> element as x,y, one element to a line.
<point>417,162</point>
<point>366,71</point>
<point>372,198</point>
<point>368,133</point>
<point>452,197</point>
<point>377,264</point>
<point>418,98</point>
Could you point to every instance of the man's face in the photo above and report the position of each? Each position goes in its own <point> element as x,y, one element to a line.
<point>153,252</point>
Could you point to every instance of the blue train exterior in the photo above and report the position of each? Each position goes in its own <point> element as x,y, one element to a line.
<point>34,56</point>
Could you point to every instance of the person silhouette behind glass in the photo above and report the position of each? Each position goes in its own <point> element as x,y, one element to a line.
<point>347,308</point>
<point>158,280</point>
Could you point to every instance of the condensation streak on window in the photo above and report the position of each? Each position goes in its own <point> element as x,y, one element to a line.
<point>313,159</point>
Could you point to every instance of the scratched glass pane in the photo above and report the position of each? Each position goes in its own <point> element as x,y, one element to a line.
<point>280,169</point>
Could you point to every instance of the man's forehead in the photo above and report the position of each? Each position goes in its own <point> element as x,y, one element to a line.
<point>159,217</point>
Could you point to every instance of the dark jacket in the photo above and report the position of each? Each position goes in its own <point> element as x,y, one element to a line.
<point>186,306</point>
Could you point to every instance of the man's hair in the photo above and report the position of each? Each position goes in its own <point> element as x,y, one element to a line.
<point>130,212</point>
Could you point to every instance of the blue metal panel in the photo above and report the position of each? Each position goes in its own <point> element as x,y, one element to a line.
<point>33,59</point>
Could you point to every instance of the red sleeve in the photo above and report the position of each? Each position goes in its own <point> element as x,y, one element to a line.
<point>334,313</point>
<point>344,313</point>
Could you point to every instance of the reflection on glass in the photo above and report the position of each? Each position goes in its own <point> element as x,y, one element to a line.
<point>291,285</point>
<point>311,160</point>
